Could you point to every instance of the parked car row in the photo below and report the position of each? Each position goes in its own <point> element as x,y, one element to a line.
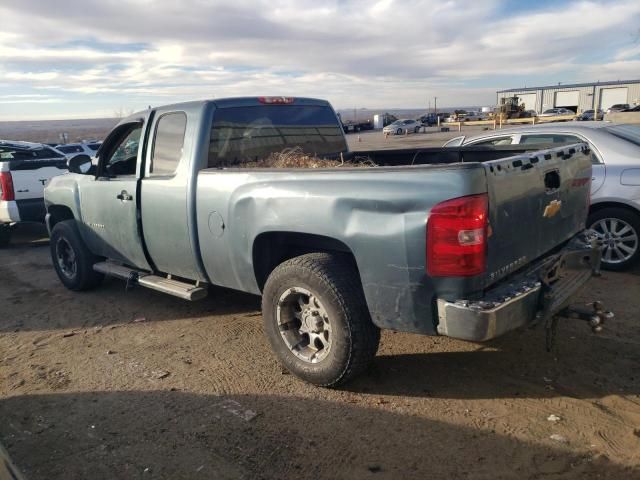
<point>25,169</point>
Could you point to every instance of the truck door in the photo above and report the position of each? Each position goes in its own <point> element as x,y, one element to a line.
<point>168,212</point>
<point>109,204</point>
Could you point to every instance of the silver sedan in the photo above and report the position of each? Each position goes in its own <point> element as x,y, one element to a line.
<point>615,187</point>
<point>401,127</point>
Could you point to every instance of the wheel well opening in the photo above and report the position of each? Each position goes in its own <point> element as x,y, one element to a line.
<point>58,213</point>
<point>600,206</point>
<point>272,248</point>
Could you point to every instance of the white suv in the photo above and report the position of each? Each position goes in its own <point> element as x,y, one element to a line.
<point>25,169</point>
<point>72,149</point>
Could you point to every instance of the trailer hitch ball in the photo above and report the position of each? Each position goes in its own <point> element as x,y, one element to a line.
<point>596,316</point>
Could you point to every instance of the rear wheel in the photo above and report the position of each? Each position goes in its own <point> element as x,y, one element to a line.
<point>316,319</point>
<point>5,235</point>
<point>72,260</point>
<point>416,130</point>
<point>399,131</point>
<point>621,231</point>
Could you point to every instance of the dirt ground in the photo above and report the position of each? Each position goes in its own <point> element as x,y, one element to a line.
<point>113,384</point>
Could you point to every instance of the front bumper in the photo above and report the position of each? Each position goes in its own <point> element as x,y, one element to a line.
<point>536,294</point>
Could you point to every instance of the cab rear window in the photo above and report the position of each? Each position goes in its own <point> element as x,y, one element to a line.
<point>249,134</point>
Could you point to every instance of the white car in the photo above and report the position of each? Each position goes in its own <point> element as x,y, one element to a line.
<point>400,127</point>
<point>470,116</point>
<point>25,169</point>
<point>556,112</point>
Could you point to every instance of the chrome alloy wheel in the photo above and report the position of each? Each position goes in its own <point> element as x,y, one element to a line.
<point>304,324</point>
<point>620,239</point>
<point>66,258</point>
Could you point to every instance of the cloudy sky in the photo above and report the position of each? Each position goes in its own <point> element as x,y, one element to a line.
<point>91,58</point>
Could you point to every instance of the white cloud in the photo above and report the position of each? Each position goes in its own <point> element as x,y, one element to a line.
<point>355,53</point>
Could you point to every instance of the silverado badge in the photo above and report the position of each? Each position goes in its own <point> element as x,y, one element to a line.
<point>553,208</point>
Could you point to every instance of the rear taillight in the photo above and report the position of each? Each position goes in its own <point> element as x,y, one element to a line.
<point>276,100</point>
<point>457,237</point>
<point>6,187</point>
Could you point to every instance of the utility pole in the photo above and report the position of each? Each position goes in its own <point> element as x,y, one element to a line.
<point>435,105</point>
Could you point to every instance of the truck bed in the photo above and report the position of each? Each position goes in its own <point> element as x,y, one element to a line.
<point>380,213</point>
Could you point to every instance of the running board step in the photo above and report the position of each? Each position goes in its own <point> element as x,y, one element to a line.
<point>184,290</point>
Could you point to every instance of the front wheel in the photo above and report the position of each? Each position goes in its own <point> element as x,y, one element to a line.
<point>620,229</point>
<point>399,131</point>
<point>316,319</point>
<point>72,260</point>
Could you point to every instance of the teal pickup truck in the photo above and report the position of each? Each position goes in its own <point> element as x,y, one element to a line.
<point>467,242</point>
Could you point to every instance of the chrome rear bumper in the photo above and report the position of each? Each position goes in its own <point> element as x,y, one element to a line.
<point>535,294</point>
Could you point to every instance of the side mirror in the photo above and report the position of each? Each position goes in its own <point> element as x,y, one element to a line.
<point>79,164</point>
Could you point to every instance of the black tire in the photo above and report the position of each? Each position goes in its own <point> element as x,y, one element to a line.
<point>416,130</point>
<point>72,259</point>
<point>399,131</point>
<point>624,242</point>
<point>5,235</point>
<point>333,280</point>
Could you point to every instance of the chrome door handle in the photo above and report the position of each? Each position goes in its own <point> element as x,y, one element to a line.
<point>124,196</point>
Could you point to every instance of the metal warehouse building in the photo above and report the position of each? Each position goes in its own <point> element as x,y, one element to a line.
<point>577,97</point>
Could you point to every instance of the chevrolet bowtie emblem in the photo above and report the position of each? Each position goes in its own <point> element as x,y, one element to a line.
<point>553,208</point>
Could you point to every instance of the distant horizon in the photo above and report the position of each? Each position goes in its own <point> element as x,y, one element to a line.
<point>347,110</point>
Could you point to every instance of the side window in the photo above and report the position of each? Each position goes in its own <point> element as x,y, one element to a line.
<point>70,149</point>
<point>46,152</point>
<point>556,139</point>
<point>168,143</point>
<point>454,142</point>
<point>123,156</point>
<point>508,140</point>
<point>550,138</point>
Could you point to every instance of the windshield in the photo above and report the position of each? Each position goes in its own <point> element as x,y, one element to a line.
<point>248,134</point>
<point>630,133</point>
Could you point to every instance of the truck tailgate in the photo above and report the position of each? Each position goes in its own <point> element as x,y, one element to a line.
<point>536,203</point>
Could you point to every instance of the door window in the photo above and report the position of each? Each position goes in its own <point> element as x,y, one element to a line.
<point>124,155</point>
<point>168,143</point>
<point>506,140</point>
